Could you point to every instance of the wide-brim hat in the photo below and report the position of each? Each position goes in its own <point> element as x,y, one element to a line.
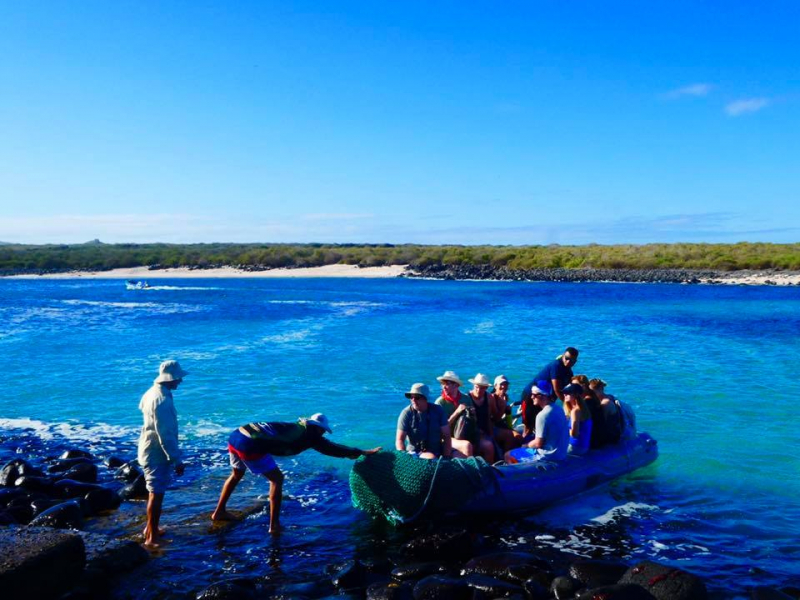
<point>450,376</point>
<point>419,389</point>
<point>170,370</point>
<point>481,380</point>
<point>319,420</point>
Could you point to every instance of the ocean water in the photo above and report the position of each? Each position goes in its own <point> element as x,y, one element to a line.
<point>709,370</point>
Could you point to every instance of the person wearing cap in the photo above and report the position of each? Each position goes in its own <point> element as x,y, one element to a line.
<point>423,425</point>
<point>454,403</point>
<point>158,450</point>
<point>252,447</point>
<point>580,419</point>
<point>552,431</point>
<point>484,440</point>
<point>500,409</point>
<point>558,372</point>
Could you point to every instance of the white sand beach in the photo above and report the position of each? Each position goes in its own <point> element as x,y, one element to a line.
<point>759,278</point>
<point>143,273</point>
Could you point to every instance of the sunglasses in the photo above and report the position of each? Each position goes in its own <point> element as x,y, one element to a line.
<point>417,397</point>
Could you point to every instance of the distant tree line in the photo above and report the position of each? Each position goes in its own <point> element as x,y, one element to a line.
<point>98,256</point>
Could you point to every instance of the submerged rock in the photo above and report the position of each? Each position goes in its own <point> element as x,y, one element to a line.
<point>768,593</point>
<point>505,565</point>
<point>237,589</point>
<point>351,574</point>
<point>39,563</point>
<point>390,591</point>
<point>134,490</point>
<point>97,501</point>
<point>666,583</point>
<point>76,453</point>
<point>67,515</point>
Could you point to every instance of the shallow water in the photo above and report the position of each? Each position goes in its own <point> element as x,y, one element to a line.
<point>708,370</point>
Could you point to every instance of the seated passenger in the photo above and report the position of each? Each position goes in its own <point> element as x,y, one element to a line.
<point>552,431</point>
<point>580,418</point>
<point>423,425</point>
<point>500,412</point>
<point>484,440</point>
<point>599,429</point>
<point>615,411</point>
<point>453,402</point>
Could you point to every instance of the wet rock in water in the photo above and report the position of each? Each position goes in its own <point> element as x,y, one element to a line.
<point>39,505</point>
<point>768,593</point>
<point>501,565</point>
<point>522,573</point>
<point>792,591</point>
<point>376,566</point>
<point>534,590</point>
<point>20,510</point>
<point>450,545</point>
<point>101,500</point>
<point>33,483</point>
<point>66,464</point>
<point>414,571</point>
<point>439,587</point>
<point>128,472</point>
<point>350,575</point>
<point>8,494</point>
<point>67,515</point>
<point>493,588</point>
<point>565,587</point>
<point>306,589</point>
<point>69,488</point>
<point>236,589</point>
<point>597,573</point>
<point>113,462</point>
<point>390,591</point>
<point>666,583</point>
<point>84,472</point>
<point>112,555</point>
<point>76,453</point>
<point>10,472</point>
<point>134,490</point>
<point>624,591</point>
<point>39,563</point>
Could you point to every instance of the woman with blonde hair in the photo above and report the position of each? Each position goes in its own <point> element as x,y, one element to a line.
<point>580,418</point>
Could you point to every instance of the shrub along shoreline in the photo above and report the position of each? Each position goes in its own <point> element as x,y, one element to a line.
<point>625,262</point>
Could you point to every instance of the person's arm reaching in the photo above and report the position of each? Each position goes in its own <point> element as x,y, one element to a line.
<point>329,448</point>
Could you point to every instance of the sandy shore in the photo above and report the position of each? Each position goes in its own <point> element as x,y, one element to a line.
<point>143,274</point>
<point>759,278</point>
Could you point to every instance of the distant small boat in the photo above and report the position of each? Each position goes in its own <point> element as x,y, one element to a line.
<point>136,285</point>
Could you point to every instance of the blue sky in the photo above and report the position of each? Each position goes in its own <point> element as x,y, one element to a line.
<point>433,122</point>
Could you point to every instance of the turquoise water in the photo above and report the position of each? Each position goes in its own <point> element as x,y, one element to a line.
<point>709,370</point>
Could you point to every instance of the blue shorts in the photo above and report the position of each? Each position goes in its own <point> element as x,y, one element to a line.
<point>525,455</point>
<point>256,465</point>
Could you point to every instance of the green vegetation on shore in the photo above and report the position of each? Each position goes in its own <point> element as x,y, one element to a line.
<point>98,256</point>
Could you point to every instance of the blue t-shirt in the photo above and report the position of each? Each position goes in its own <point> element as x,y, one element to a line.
<point>553,370</point>
<point>424,429</point>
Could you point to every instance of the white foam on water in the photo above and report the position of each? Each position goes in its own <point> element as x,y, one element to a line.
<point>71,431</point>
<point>625,510</point>
<point>205,428</point>
<point>482,328</point>
<point>289,337</point>
<point>111,304</point>
<point>174,288</point>
<point>40,428</point>
<point>153,307</point>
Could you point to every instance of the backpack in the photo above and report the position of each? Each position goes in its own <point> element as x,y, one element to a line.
<point>466,427</point>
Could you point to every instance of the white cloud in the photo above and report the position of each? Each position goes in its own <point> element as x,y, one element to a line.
<point>695,89</point>
<point>748,105</point>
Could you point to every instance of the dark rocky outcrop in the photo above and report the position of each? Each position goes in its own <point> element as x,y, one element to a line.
<point>390,591</point>
<point>597,573</point>
<point>39,563</point>
<point>494,588</point>
<point>666,583</point>
<point>616,592</point>
<point>76,453</point>
<point>66,464</point>
<point>33,483</point>
<point>446,545</point>
<point>67,515</point>
<point>768,593</point>
<point>236,589</point>
<point>84,472</point>
<point>69,488</point>
<point>510,566</point>
<point>439,587</point>
<point>97,501</point>
<point>350,575</point>
<point>418,570</point>
<point>128,472</point>
<point>112,555</point>
<point>134,490</point>
<point>113,462</point>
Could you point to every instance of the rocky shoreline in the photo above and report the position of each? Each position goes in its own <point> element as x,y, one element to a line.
<point>46,497</point>
<point>683,276</point>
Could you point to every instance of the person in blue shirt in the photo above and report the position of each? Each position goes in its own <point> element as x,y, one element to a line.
<point>557,372</point>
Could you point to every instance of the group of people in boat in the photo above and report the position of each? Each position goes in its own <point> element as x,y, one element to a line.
<point>480,422</point>
<point>457,425</point>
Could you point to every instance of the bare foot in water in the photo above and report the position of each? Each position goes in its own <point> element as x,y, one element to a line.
<point>161,532</point>
<point>155,544</point>
<point>275,529</point>
<point>224,516</point>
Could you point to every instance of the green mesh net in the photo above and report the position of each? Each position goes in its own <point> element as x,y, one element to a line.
<point>400,487</point>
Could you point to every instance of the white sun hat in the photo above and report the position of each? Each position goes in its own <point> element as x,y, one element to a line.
<point>319,420</point>
<point>170,370</point>
<point>481,380</point>
<point>500,379</point>
<point>419,389</point>
<point>450,376</point>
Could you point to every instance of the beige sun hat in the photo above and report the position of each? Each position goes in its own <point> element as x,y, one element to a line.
<point>481,380</point>
<point>419,389</point>
<point>319,420</point>
<point>500,379</point>
<point>170,370</point>
<point>450,376</point>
